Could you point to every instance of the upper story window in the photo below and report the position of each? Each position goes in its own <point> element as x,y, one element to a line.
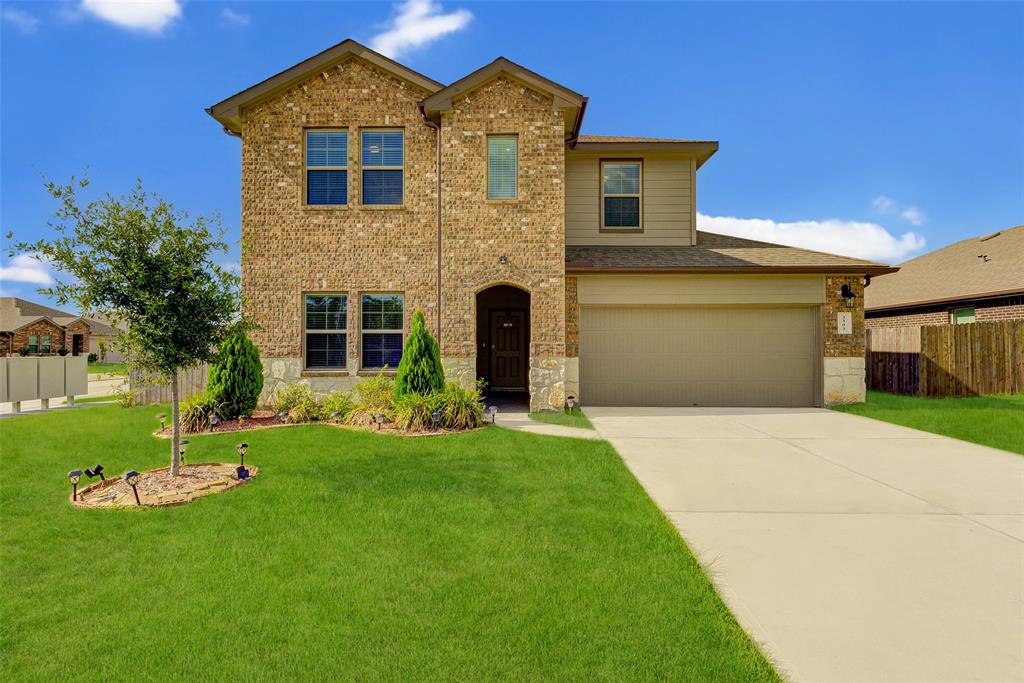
<point>326,167</point>
<point>382,329</point>
<point>326,331</point>
<point>621,195</point>
<point>501,166</point>
<point>383,164</point>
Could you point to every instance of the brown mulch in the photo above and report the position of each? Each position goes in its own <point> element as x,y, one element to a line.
<point>265,419</point>
<point>158,487</point>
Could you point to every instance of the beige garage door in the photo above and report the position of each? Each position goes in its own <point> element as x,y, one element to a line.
<point>665,356</point>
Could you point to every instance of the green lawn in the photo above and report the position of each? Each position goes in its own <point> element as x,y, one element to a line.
<point>490,555</point>
<point>108,368</point>
<point>576,418</point>
<point>996,421</point>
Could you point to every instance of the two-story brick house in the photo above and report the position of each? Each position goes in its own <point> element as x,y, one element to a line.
<point>546,261</point>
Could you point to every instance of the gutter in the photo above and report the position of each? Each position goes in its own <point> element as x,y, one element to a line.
<point>227,131</point>
<point>437,217</point>
<point>959,298</point>
<point>574,136</point>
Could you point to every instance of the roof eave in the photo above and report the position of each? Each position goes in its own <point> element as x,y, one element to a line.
<point>946,300</point>
<point>701,149</point>
<point>584,269</point>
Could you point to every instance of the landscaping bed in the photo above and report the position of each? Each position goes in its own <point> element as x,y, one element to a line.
<point>157,487</point>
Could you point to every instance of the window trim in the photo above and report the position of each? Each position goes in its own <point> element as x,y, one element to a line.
<point>601,195</point>
<point>487,173</point>
<point>363,168</point>
<point>306,168</point>
<point>343,369</point>
<point>362,331</point>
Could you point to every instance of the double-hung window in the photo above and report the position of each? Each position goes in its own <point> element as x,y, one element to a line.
<point>33,344</point>
<point>501,166</point>
<point>326,167</point>
<point>382,316</point>
<point>621,198</point>
<point>326,325</point>
<point>383,165</point>
<point>46,345</point>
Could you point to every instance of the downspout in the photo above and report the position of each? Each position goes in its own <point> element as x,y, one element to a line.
<point>437,216</point>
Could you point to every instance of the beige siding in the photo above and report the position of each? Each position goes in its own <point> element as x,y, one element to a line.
<point>704,356</point>
<point>680,290</point>
<point>668,211</point>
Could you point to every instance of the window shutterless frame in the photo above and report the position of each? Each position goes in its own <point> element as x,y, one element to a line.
<point>380,341</point>
<point>502,176</point>
<point>382,165</point>
<point>322,164</point>
<point>325,331</point>
<point>602,195</point>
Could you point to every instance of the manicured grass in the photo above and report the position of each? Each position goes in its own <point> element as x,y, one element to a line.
<point>95,399</point>
<point>108,368</point>
<point>996,421</point>
<point>490,555</point>
<point>576,418</point>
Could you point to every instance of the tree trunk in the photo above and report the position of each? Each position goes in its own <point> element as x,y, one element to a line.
<point>175,434</point>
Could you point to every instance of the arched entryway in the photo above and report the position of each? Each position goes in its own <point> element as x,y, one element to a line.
<point>503,338</point>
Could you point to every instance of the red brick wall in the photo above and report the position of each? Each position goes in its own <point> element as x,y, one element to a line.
<point>1006,312</point>
<point>39,329</point>
<point>1004,308</point>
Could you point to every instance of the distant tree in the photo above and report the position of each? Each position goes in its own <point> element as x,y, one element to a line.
<point>420,370</point>
<point>236,376</point>
<point>147,266</point>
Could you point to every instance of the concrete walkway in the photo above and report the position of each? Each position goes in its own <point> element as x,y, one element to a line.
<point>521,421</point>
<point>851,549</point>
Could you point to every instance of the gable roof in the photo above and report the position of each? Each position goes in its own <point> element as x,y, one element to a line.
<point>714,253</point>
<point>15,313</point>
<point>564,98</point>
<point>229,111</point>
<point>955,272</point>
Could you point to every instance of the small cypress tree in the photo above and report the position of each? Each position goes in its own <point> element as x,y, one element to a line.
<point>236,376</point>
<point>420,371</point>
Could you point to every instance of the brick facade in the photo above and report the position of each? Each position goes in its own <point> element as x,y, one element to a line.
<point>60,337</point>
<point>572,319</point>
<point>985,310</point>
<point>843,345</point>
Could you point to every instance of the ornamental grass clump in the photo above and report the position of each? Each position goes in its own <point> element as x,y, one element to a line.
<point>236,376</point>
<point>196,412</point>
<point>336,406</point>
<point>373,396</point>
<point>419,371</point>
<point>413,412</point>
<point>298,401</point>
<point>460,408</point>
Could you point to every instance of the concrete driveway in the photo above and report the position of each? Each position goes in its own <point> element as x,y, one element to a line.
<point>851,549</point>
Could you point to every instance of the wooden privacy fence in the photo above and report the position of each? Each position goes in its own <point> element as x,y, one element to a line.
<point>947,360</point>
<point>148,390</point>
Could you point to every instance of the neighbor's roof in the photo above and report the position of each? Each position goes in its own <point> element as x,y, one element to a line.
<point>714,254</point>
<point>955,273</point>
<point>15,313</point>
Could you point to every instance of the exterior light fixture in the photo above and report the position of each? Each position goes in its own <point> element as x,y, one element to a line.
<point>848,295</point>
<point>436,417</point>
<point>181,451</point>
<point>73,477</point>
<point>214,420</point>
<point>242,448</point>
<point>570,402</point>
<point>162,417</point>
<point>283,416</point>
<point>379,419</point>
<point>336,416</point>
<point>131,477</point>
<point>493,410</point>
<point>96,472</point>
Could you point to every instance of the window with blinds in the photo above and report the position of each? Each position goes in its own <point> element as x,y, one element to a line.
<point>621,194</point>
<point>326,335</point>
<point>382,330</point>
<point>326,167</point>
<point>383,164</point>
<point>501,166</point>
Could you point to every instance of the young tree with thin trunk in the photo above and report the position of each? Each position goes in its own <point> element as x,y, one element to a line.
<point>148,267</point>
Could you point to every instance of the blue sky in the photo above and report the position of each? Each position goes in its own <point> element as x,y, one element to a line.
<point>880,130</point>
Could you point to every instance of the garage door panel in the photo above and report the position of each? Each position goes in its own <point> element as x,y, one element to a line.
<point>664,356</point>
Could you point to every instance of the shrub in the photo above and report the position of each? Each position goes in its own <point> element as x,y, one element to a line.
<point>236,376</point>
<point>93,358</point>
<point>298,401</point>
<point>339,402</point>
<point>413,412</point>
<point>196,411</point>
<point>62,351</point>
<point>460,408</point>
<point>420,370</point>
<point>372,396</point>
<point>23,351</point>
<point>126,397</point>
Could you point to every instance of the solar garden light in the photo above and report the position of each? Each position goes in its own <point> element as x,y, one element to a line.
<point>131,477</point>
<point>242,448</point>
<point>336,416</point>
<point>570,402</point>
<point>493,410</point>
<point>73,477</point>
<point>283,416</point>
<point>181,451</point>
<point>96,471</point>
<point>214,420</point>
<point>436,417</point>
<point>379,419</point>
<point>162,417</point>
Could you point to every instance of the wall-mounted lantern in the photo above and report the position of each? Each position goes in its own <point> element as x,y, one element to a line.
<point>847,293</point>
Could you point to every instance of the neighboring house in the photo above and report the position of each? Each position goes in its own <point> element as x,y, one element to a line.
<point>546,261</point>
<point>44,331</point>
<point>975,280</point>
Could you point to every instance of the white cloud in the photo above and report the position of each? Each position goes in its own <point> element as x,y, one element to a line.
<point>849,238</point>
<point>26,22</point>
<point>417,23</point>
<point>232,267</point>
<point>912,215</point>
<point>27,268</point>
<point>152,16</point>
<point>888,205</point>
<point>883,204</point>
<point>234,18</point>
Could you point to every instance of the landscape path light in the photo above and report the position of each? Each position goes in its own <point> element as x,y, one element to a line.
<point>241,472</point>
<point>74,476</point>
<point>214,420</point>
<point>283,416</point>
<point>379,419</point>
<point>570,401</point>
<point>436,417</point>
<point>96,471</point>
<point>493,410</point>
<point>131,477</point>
<point>162,417</point>
<point>181,450</point>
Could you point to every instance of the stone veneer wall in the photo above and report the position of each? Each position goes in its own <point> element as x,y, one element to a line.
<point>529,231</point>
<point>844,353</point>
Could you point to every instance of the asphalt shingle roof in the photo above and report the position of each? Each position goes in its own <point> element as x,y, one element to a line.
<point>15,313</point>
